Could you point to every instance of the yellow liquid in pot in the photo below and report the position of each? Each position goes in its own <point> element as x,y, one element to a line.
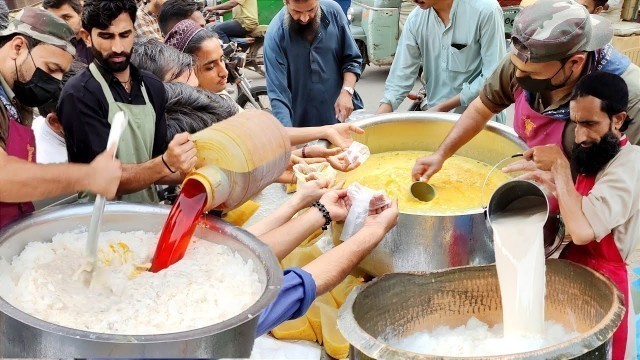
<point>458,185</point>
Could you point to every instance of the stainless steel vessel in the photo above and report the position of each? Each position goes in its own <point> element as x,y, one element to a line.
<point>577,297</point>
<point>22,335</point>
<point>422,242</point>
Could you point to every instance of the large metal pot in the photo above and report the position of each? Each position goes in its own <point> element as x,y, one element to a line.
<point>577,297</point>
<point>422,242</point>
<point>22,335</point>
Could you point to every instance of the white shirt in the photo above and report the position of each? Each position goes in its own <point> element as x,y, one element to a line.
<point>50,147</point>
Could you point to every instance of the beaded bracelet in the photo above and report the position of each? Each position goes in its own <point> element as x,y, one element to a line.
<point>325,213</point>
<point>304,155</point>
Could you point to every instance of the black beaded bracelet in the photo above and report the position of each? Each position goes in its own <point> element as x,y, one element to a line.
<point>325,213</point>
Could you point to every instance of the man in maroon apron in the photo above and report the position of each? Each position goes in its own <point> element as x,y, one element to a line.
<point>555,44</point>
<point>601,210</point>
<point>34,54</point>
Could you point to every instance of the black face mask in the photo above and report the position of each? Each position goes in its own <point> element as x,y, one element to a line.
<point>542,85</point>
<point>39,90</point>
<point>590,160</point>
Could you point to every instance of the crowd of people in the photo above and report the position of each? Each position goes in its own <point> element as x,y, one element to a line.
<point>66,69</point>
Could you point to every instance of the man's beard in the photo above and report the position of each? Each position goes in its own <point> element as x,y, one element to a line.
<point>305,30</point>
<point>590,160</point>
<point>113,67</point>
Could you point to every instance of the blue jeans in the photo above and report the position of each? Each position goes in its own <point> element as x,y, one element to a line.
<point>229,29</point>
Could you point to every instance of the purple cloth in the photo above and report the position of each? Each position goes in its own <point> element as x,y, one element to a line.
<point>182,33</point>
<point>296,295</point>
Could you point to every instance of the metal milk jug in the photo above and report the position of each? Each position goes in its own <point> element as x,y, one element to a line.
<point>537,195</point>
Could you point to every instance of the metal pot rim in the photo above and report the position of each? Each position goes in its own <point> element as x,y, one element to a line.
<point>375,348</point>
<point>261,250</point>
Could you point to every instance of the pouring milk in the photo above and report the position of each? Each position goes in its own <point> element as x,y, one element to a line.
<point>519,247</point>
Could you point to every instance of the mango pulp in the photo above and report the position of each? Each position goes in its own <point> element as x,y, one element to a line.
<point>458,185</point>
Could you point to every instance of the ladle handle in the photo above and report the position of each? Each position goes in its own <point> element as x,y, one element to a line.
<point>491,172</point>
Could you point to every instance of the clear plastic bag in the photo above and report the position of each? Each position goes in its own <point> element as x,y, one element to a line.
<point>362,200</point>
<point>357,152</point>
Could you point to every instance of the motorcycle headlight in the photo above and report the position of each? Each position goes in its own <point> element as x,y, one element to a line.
<point>350,13</point>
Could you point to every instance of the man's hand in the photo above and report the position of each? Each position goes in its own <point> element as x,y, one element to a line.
<point>340,134</point>
<point>312,190</point>
<point>426,166</point>
<point>105,175</point>
<point>341,163</point>
<point>520,165</point>
<point>181,154</point>
<point>335,203</point>
<point>319,151</point>
<point>543,177</point>
<point>343,106</point>
<point>545,157</point>
<point>385,220</point>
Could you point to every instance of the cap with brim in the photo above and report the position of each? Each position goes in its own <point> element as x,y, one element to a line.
<point>552,30</point>
<point>43,26</point>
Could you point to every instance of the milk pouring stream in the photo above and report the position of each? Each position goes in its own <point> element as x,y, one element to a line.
<point>519,248</point>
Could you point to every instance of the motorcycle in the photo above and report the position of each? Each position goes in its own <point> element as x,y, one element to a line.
<point>249,97</point>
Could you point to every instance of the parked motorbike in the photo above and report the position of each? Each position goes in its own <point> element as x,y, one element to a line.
<point>249,97</point>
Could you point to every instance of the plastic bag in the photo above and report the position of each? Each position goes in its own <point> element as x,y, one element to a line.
<point>362,200</point>
<point>303,173</point>
<point>357,152</point>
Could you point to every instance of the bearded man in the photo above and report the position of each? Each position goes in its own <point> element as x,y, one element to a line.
<point>111,84</point>
<point>601,210</point>
<point>312,64</point>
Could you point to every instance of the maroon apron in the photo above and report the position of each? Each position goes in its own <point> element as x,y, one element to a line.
<point>21,143</point>
<point>604,257</point>
<point>534,128</point>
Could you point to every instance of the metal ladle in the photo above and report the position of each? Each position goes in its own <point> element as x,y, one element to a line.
<point>118,125</point>
<point>422,191</point>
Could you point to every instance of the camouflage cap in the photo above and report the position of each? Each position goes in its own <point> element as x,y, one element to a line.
<point>44,26</point>
<point>551,30</point>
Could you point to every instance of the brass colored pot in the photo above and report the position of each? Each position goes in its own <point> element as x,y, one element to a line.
<point>577,297</point>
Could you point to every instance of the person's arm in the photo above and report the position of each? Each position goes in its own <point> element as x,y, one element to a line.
<point>338,135</point>
<point>288,236</point>
<point>404,68</point>
<point>224,6</point>
<point>275,66</point>
<point>492,52</point>
<point>332,267</point>
<point>22,181</point>
<point>180,158</point>
<point>303,198</point>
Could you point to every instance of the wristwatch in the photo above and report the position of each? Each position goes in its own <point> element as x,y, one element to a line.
<point>348,89</point>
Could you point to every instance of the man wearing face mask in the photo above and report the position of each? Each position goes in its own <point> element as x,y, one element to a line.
<point>111,84</point>
<point>601,210</point>
<point>35,52</point>
<point>555,44</point>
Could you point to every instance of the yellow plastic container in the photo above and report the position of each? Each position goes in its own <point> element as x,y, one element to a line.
<point>239,157</point>
<point>343,289</point>
<point>313,314</point>
<point>298,329</point>
<point>334,343</point>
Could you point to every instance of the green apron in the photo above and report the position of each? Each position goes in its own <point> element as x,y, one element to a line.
<point>136,143</point>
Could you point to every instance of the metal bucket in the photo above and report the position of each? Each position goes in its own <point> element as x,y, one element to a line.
<point>22,335</point>
<point>429,242</point>
<point>576,296</point>
<point>513,190</point>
